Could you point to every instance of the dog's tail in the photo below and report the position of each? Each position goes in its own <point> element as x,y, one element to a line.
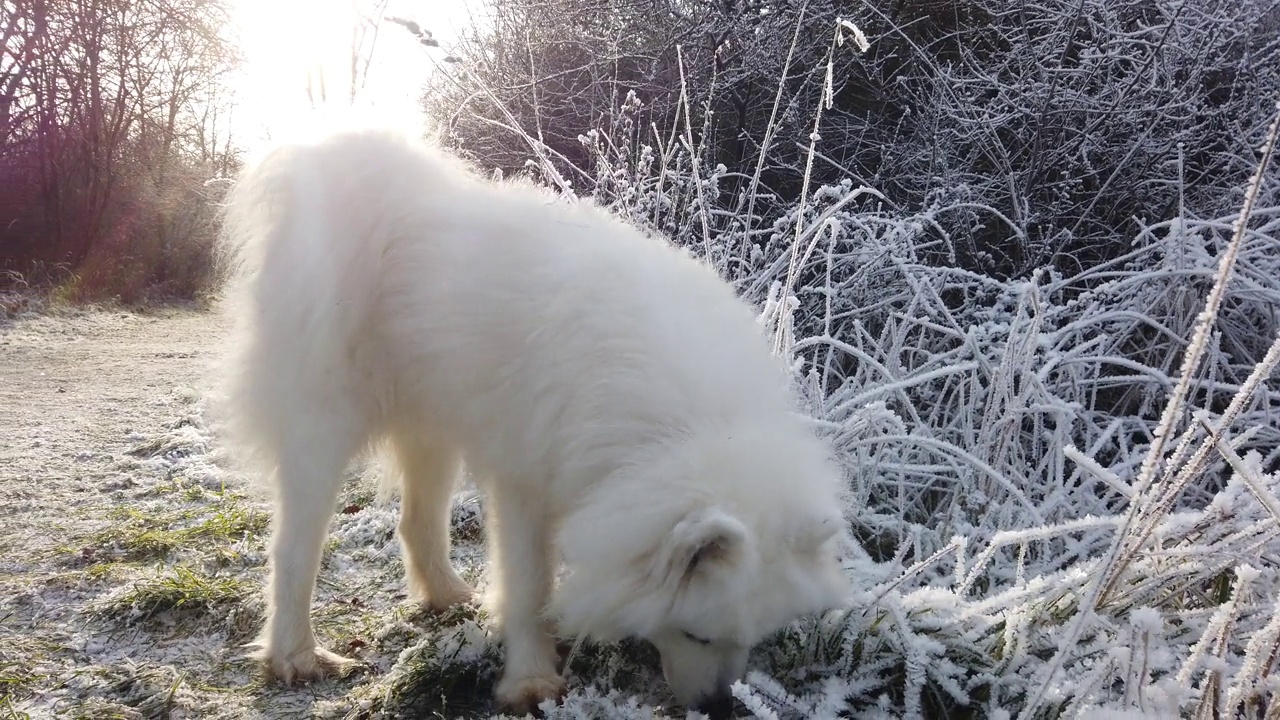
<point>304,233</point>
<point>300,227</point>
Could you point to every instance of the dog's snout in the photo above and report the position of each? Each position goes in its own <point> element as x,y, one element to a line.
<point>717,706</point>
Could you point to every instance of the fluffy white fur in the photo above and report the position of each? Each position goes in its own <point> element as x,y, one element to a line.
<point>619,406</point>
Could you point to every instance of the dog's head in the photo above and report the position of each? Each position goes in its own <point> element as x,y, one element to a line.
<point>705,549</point>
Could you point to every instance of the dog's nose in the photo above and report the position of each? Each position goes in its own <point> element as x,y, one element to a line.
<point>718,706</point>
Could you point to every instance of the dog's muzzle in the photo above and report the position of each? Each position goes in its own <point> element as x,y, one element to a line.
<point>718,706</point>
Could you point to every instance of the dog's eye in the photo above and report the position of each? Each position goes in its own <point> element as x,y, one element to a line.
<point>695,638</point>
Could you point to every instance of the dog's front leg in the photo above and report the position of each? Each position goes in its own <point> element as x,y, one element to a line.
<point>522,545</point>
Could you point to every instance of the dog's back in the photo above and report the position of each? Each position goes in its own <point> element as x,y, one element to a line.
<point>533,333</point>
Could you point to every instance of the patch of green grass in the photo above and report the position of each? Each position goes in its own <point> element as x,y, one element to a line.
<point>331,545</point>
<point>183,589</point>
<point>16,680</point>
<point>100,709</point>
<point>193,493</point>
<point>135,535</point>
<point>106,572</point>
<point>138,536</point>
<point>142,690</point>
<point>8,711</point>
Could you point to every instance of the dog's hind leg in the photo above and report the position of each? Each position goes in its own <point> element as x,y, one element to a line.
<point>522,544</point>
<point>308,478</point>
<point>429,471</point>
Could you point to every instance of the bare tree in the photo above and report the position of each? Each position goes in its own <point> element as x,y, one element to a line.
<point>1035,133</point>
<point>106,110</point>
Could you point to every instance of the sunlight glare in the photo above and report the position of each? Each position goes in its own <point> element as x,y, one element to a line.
<point>298,64</point>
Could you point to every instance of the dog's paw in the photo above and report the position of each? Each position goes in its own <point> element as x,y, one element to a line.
<point>521,695</point>
<point>441,596</point>
<point>302,666</point>
<point>445,598</point>
<point>443,601</point>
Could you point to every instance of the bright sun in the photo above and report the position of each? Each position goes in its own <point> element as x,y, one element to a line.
<point>298,66</point>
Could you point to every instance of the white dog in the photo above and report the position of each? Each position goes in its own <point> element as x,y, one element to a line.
<point>620,407</point>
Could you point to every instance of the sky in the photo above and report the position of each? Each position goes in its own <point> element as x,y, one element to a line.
<point>289,43</point>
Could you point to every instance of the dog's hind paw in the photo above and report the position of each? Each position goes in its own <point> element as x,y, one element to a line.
<point>441,596</point>
<point>303,666</point>
<point>522,695</point>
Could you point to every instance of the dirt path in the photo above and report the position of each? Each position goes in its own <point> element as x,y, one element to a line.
<point>98,411</point>
<point>77,393</point>
<point>131,561</point>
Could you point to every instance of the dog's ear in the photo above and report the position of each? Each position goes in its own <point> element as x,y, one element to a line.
<point>700,541</point>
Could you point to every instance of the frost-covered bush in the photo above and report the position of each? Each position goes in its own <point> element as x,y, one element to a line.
<point>1067,486</point>
<point>1038,316</point>
<point>1041,133</point>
